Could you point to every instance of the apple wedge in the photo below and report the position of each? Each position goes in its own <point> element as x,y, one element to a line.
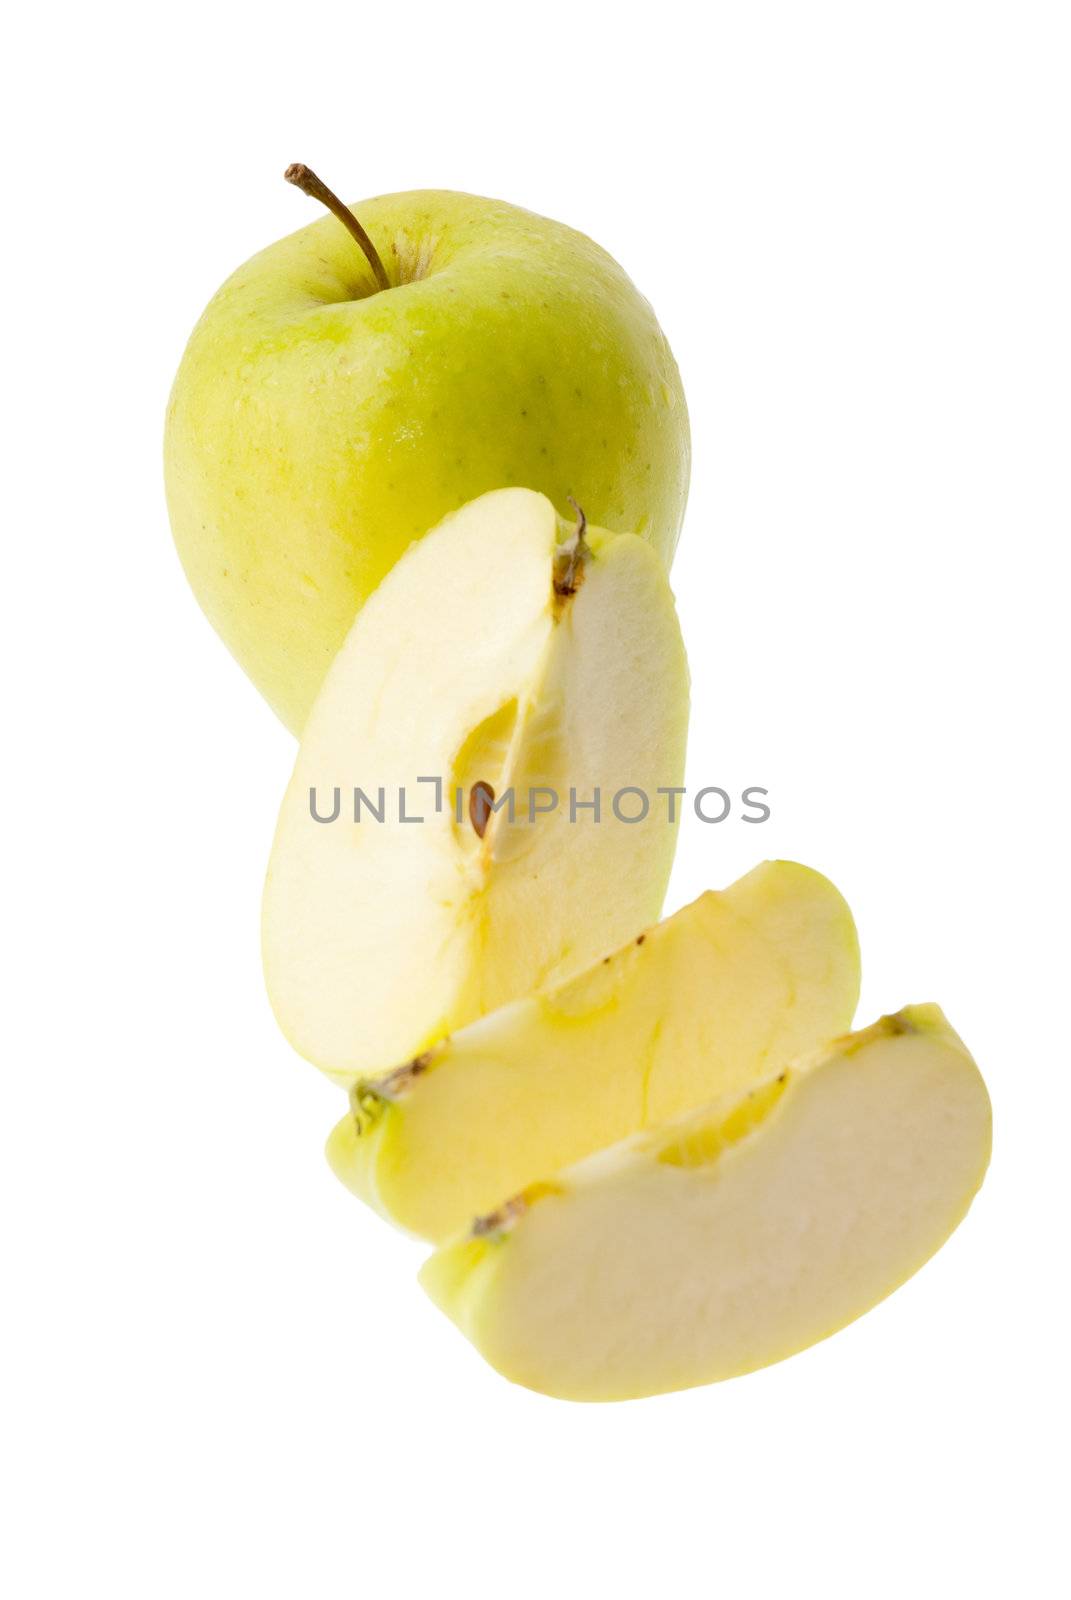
<point>735,1236</point>
<point>706,1003</point>
<point>437,854</point>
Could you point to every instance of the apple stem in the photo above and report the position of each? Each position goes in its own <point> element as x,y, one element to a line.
<point>303,178</point>
<point>581,519</point>
<point>572,555</point>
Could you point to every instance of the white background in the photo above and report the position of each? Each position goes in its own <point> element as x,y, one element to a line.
<point>220,1378</point>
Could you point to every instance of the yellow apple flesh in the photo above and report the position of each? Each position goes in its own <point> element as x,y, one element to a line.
<point>470,666</point>
<point>706,1003</point>
<point>739,1234</point>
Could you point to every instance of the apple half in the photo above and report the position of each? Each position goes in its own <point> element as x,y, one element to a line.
<point>706,1003</point>
<point>735,1236</point>
<point>506,659</point>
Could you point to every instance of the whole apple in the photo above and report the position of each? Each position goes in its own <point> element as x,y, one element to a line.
<point>319,423</point>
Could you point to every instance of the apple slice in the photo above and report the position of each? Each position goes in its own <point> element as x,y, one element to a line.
<point>506,655</point>
<point>707,1003</point>
<point>735,1236</point>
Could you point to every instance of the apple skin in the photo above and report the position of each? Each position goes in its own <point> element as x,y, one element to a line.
<point>317,427</point>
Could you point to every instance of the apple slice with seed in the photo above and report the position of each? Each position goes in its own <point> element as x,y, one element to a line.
<point>708,1002</point>
<point>737,1235</point>
<point>508,657</point>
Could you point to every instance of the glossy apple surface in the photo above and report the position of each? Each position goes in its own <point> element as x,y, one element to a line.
<point>318,426</point>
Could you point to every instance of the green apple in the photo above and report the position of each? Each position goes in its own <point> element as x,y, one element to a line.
<point>319,423</point>
<point>737,1235</point>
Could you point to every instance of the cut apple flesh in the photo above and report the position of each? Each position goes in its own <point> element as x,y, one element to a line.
<point>735,1236</point>
<point>708,1002</point>
<point>501,654</point>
